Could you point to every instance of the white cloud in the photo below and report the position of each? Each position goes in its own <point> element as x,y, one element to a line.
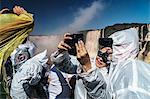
<point>82,17</point>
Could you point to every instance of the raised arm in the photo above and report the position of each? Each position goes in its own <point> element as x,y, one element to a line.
<point>91,76</point>
<point>62,59</point>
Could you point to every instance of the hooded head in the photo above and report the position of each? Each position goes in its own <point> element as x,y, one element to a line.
<point>22,53</point>
<point>125,45</point>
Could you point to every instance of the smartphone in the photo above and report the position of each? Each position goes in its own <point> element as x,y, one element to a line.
<point>71,43</point>
<point>106,42</point>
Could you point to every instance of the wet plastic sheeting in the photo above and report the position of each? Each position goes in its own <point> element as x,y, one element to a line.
<point>131,81</point>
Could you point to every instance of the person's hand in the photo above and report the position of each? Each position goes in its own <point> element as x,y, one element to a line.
<point>82,55</point>
<point>5,9</point>
<point>62,46</point>
<point>19,10</point>
<point>49,79</point>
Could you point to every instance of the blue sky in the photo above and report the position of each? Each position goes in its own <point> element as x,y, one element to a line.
<point>59,16</point>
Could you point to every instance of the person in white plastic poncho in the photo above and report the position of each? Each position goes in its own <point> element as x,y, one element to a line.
<point>26,70</point>
<point>129,77</point>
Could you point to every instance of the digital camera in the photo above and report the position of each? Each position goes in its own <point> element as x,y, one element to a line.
<point>71,42</point>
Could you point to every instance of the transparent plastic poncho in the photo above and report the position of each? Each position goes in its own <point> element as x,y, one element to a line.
<point>129,77</point>
<point>131,80</point>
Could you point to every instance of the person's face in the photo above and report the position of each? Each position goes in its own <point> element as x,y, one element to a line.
<point>99,61</point>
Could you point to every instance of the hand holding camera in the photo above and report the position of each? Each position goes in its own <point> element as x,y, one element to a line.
<point>62,46</point>
<point>73,43</point>
<point>68,43</point>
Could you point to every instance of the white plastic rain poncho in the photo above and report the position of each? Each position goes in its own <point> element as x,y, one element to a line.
<point>28,72</point>
<point>129,78</point>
